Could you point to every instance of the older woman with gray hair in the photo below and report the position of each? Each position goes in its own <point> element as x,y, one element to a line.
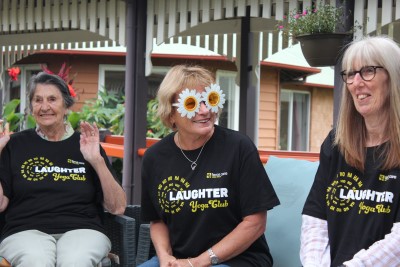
<point>55,184</point>
<point>352,214</point>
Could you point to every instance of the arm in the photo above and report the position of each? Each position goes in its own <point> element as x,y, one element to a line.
<point>385,252</point>
<point>160,238</point>
<point>314,242</point>
<point>3,200</point>
<point>114,196</point>
<point>237,241</point>
<point>4,138</point>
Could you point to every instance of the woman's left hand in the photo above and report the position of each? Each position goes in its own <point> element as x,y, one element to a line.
<point>90,141</point>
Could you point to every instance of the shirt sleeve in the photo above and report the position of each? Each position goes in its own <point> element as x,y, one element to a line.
<point>148,211</point>
<point>385,252</point>
<point>256,190</point>
<point>315,204</point>
<point>314,242</point>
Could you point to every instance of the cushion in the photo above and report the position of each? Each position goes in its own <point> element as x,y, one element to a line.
<point>292,180</point>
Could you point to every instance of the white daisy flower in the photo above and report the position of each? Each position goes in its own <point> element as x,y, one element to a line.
<point>214,98</point>
<point>188,103</point>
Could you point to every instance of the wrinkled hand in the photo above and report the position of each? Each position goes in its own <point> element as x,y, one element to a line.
<point>4,134</point>
<point>90,141</point>
<point>166,260</point>
<point>180,263</point>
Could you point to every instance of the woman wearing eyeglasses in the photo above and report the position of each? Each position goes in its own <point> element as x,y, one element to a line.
<point>205,190</point>
<point>351,216</point>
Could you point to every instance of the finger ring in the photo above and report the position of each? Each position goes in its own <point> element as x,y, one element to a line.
<point>92,134</point>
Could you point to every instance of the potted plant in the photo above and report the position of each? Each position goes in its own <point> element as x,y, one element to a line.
<point>315,29</point>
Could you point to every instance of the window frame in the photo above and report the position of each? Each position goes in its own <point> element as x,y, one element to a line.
<point>290,119</point>
<point>233,111</point>
<point>107,67</point>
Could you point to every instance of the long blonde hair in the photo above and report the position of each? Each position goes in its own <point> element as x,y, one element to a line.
<point>351,131</point>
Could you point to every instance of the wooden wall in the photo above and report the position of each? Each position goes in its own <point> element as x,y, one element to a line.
<point>321,116</point>
<point>268,109</point>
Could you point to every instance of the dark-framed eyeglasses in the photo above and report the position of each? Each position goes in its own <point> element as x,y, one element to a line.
<point>367,73</point>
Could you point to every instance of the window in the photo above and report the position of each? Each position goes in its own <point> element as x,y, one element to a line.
<point>19,89</point>
<point>229,116</point>
<point>112,78</point>
<point>294,120</point>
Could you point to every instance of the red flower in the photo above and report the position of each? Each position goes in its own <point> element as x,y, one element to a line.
<point>71,90</point>
<point>63,73</point>
<point>13,73</point>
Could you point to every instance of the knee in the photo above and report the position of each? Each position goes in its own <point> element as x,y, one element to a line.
<point>34,260</point>
<point>77,259</point>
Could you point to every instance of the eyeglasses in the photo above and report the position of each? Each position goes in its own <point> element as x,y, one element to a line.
<point>367,73</point>
<point>189,101</point>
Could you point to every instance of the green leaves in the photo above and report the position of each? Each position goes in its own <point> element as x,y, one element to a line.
<point>321,19</point>
<point>108,111</point>
<point>10,115</point>
<point>155,128</point>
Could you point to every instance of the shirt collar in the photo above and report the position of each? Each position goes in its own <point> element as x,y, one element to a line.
<point>69,131</point>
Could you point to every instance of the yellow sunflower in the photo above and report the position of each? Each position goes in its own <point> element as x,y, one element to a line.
<point>214,97</point>
<point>188,103</point>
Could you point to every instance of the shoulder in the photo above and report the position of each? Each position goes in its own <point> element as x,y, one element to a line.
<point>165,144</point>
<point>28,133</point>
<point>329,149</point>
<point>232,137</point>
<point>329,142</point>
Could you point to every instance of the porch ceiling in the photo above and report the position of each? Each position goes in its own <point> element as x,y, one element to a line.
<point>51,37</point>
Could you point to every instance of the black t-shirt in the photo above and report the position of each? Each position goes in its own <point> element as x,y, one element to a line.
<point>202,206</point>
<point>50,185</point>
<point>360,208</point>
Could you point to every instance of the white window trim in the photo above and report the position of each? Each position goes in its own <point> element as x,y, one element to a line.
<point>234,110</point>
<point>107,67</point>
<point>291,117</point>
<point>160,70</point>
<point>24,84</point>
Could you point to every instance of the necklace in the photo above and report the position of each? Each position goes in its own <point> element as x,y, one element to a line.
<point>193,164</point>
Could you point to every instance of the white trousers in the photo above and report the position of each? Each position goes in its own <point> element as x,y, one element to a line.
<point>77,248</point>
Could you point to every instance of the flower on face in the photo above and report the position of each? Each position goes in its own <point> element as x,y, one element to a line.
<point>13,73</point>
<point>188,103</point>
<point>214,98</point>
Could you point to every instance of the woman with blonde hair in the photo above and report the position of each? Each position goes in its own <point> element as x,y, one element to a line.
<point>205,190</point>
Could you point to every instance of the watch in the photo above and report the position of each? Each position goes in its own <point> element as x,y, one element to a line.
<point>214,259</point>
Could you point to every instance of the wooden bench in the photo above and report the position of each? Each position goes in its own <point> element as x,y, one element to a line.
<point>114,147</point>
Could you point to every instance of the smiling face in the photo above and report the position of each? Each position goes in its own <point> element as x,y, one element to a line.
<point>48,107</point>
<point>370,97</point>
<point>202,123</point>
